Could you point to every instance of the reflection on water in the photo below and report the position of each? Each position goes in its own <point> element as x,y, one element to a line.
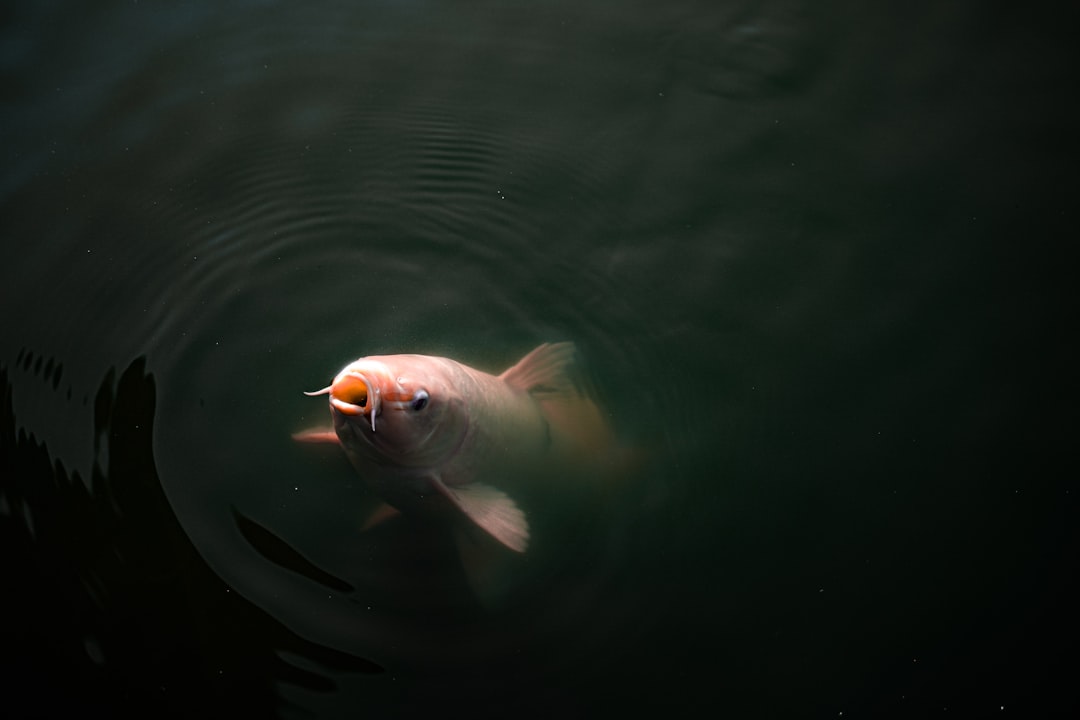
<point>136,621</point>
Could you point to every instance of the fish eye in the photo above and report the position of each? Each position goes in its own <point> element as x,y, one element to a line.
<point>420,400</point>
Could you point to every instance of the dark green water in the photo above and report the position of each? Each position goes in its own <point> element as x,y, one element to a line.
<point>815,258</point>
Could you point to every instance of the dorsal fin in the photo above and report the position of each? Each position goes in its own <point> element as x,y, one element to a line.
<point>545,369</point>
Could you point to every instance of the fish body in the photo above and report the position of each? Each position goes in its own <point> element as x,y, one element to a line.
<point>439,439</point>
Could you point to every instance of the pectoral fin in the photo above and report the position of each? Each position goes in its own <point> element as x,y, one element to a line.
<point>380,515</point>
<point>317,435</point>
<point>493,511</point>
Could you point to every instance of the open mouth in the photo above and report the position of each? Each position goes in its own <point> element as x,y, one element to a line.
<point>353,395</point>
<point>350,395</point>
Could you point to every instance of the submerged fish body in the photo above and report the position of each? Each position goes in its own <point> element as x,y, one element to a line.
<point>439,439</point>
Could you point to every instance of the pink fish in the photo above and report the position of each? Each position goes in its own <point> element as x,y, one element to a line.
<point>440,439</point>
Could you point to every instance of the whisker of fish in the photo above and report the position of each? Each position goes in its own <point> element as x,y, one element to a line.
<point>374,406</point>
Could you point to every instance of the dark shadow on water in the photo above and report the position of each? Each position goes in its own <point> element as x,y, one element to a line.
<point>277,551</point>
<point>107,606</point>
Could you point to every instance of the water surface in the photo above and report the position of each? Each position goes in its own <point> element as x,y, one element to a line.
<point>809,254</point>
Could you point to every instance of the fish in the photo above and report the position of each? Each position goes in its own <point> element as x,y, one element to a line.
<point>438,439</point>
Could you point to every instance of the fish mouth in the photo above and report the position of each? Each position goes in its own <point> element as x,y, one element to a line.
<point>353,394</point>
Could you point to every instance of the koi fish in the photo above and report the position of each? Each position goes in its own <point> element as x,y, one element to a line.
<point>436,438</point>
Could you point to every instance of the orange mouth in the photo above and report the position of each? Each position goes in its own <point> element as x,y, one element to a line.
<point>353,393</point>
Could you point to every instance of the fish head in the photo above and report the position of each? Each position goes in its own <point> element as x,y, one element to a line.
<point>398,410</point>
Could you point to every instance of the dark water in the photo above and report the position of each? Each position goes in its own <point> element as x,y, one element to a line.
<point>814,257</point>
